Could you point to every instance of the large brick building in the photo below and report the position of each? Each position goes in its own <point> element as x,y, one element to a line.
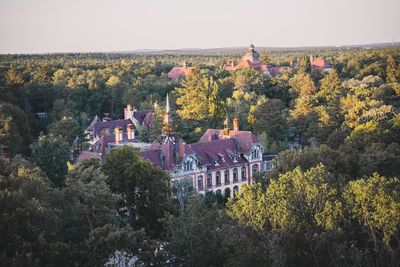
<point>222,160</point>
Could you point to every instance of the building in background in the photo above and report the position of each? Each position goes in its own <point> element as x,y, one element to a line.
<point>181,71</point>
<point>320,64</point>
<point>251,59</point>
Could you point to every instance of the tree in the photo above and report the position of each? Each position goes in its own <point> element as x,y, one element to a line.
<point>183,190</point>
<point>144,188</point>
<point>304,64</point>
<point>14,129</point>
<point>29,221</point>
<point>51,155</point>
<point>302,84</point>
<point>67,129</point>
<point>194,237</point>
<point>374,202</point>
<point>193,97</point>
<point>215,109</point>
<point>118,245</point>
<point>270,118</point>
<point>330,87</point>
<point>391,70</point>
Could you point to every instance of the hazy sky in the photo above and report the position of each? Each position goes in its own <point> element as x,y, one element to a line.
<point>37,26</point>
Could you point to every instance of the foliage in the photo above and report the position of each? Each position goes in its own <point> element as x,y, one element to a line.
<point>144,188</point>
<point>51,155</point>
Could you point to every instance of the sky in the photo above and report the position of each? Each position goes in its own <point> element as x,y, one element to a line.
<point>47,26</point>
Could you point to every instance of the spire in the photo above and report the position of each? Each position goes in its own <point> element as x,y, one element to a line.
<point>167,119</point>
<point>167,105</point>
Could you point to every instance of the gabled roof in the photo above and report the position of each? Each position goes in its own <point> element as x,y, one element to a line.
<point>177,72</point>
<point>95,120</point>
<point>245,139</point>
<point>225,151</point>
<point>110,125</point>
<point>141,115</point>
<point>320,64</point>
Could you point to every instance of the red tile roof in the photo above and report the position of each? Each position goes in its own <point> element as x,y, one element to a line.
<point>177,72</point>
<point>320,64</point>
<point>222,150</point>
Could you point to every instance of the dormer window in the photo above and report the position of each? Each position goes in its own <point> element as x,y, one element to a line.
<point>256,152</point>
<point>235,159</point>
<point>188,164</point>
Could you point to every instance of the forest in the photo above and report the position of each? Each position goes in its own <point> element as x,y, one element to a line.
<point>334,200</point>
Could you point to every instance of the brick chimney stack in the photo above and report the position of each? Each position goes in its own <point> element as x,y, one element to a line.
<point>118,135</point>
<point>130,132</point>
<point>235,124</point>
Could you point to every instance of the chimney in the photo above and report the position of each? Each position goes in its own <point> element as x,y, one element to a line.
<point>235,124</point>
<point>128,112</point>
<point>130,132</point>
<point>118,135</point>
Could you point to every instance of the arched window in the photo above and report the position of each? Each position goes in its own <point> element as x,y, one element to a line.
<point>200,182</point>
<point>255,168</point>
<point>188,164</point>
<point>243,173</point>
<point>209,180</point>
<point>226,180</point>
<point>227,192</point>
<point>218,178</point>
<point>235,175</point>
<point>256,152</point>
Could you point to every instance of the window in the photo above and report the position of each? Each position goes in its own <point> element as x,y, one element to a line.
<point>218,178</point>
<point>255,168</point>
<point>226,180</point>
<point>200,182</point>
<point>227,192</point>
<point>188,164</point>
<point>209,180</point>
<point>256,152</point>
<point>235,175</point>
<point>243,173</point>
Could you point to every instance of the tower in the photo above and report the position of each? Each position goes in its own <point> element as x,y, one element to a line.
<point>167,131</point>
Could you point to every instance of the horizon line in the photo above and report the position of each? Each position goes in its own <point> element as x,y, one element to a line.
<point>183,49</point>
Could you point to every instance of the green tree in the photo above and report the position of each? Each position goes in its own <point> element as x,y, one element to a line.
<point>193,97</point>
<point>118,245</point>
<point>330,87</point>
<point>144,188</point>
<point>374,202</point>
<point>67,129</point>
<point>29,221</point>
<point>304,64</point>
<point>51,155</point>
<point>194,237</point>
<point>270,117</point>
<point>14,129</point>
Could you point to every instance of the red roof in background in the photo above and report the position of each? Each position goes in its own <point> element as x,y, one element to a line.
<point>176,72</point>
<point>320,64</point>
